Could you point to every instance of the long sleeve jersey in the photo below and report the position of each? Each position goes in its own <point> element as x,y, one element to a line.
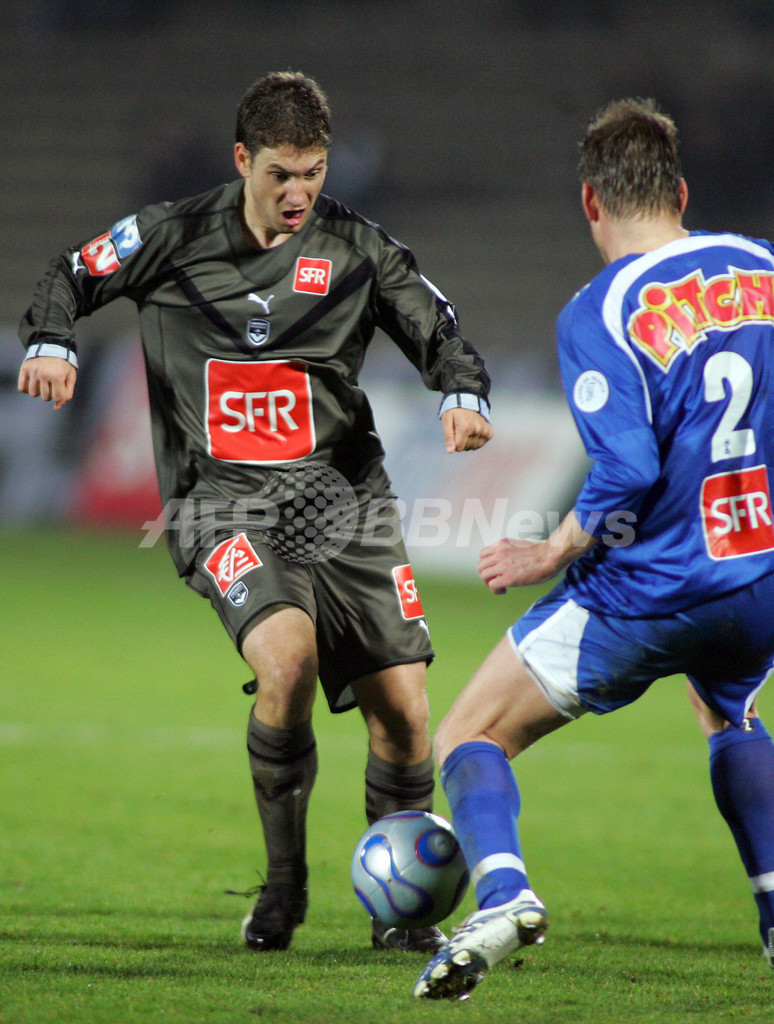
<point>253,355</point>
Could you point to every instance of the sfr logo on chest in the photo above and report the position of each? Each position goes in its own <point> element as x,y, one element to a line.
<point>312,276</point>
<point>258,412</point>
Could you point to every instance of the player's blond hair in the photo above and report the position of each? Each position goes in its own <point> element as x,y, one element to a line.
<point>629,156</point>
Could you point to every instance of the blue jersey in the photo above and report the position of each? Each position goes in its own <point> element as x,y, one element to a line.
<point>667,361</point>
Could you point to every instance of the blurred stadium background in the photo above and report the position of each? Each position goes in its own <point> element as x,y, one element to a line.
<point>455,126</point>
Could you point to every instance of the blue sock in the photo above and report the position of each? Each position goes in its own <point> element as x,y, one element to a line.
<point>742,774</point>
<point>484,801</point>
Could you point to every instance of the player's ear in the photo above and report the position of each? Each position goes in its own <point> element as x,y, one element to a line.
<point>683,195</point>
<point>242,159</point>
<point>589,202</point>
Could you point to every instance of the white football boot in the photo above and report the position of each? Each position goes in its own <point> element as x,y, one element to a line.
<point>482,940</point>
<point>768,951</point>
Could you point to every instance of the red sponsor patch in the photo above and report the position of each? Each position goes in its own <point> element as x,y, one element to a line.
<point>259,412</point>
<point>313,276</point>
<point>230,560</point>
<point>100,256</point>
<point>410,604</point>
<point>736,513</point>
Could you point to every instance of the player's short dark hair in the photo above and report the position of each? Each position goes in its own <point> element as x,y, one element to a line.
<point>284,108</point>
<point>629,156</point>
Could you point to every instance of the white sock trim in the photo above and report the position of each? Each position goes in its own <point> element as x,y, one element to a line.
<point>763,883</point>
<point>493,862</point>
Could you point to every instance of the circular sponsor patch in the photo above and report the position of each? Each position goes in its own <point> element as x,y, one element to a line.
<point>591,391</point>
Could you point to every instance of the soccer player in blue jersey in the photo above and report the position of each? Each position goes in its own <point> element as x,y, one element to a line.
<point>666,360</point>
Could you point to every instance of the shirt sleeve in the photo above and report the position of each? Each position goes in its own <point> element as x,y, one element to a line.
<point>87,276</point>
<point>609,401</point>
<point>423,324</point>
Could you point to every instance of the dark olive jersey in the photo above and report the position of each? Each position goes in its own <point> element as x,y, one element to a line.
<point>253,355</point>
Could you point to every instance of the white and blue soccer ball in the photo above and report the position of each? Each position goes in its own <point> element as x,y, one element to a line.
<point>408,870</point>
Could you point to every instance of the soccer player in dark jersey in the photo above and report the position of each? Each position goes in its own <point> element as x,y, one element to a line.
<point>666,360</point>
<point>257,302</point>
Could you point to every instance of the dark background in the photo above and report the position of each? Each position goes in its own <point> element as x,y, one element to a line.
<point>455,126</point>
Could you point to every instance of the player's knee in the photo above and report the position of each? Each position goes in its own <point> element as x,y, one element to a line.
<point>416,714</point>
<point>408,725</point>
<point>395,707</point>
<point>285,699</point>
<point>286,684</point>
<point>401,733</point>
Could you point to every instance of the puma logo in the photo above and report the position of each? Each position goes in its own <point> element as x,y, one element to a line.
<point>264,303</point>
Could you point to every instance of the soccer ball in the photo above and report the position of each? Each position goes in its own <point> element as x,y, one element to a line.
<point>408,870</point>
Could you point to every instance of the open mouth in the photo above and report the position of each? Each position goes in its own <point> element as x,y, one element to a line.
<point>293,218</point>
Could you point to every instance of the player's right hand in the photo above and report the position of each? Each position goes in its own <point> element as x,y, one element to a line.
<point>49,378</point>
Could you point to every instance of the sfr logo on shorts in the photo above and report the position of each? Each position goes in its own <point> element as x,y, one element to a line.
<point>736,513</point>
<point>258,412</point>
<point>312,275</point>
<point>410,604</point>
<point>230,560</point>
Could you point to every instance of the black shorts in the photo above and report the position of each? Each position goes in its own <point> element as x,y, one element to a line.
<point>362,599</point>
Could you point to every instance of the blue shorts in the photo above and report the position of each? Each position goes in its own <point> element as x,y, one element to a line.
<point>588,661</point>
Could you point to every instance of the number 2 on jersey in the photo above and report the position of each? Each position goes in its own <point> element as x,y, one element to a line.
<point>727,441</point>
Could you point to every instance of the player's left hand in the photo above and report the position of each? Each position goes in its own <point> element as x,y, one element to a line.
<point>515,563</point>
<point>465,430</point>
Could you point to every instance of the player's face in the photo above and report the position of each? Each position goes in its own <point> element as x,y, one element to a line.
<point>281,187</point>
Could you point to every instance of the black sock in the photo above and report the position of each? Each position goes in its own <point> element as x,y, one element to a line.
<point>283,763</point>
<point>392,787</point>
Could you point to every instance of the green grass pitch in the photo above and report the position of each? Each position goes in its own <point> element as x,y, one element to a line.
<point>126,811</point>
